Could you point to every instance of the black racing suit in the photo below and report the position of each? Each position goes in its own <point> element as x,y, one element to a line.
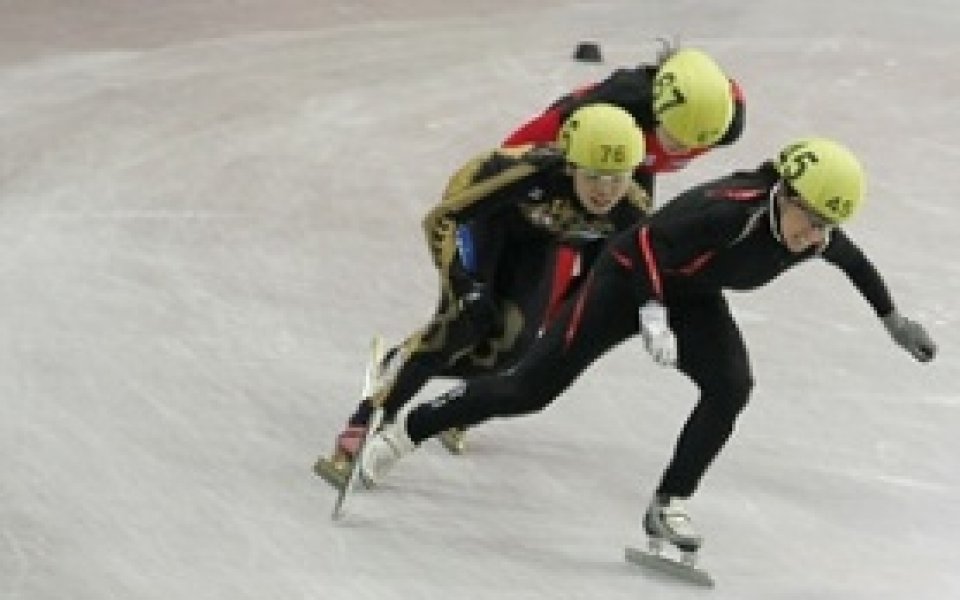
<point>717,236</point>
<point>529,239</point>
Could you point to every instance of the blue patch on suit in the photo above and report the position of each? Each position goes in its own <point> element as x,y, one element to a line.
<point>466,248</point>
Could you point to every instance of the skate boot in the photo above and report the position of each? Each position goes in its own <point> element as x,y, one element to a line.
<point>666,520</point>
<point>336,469</point>
<point>454,440</point>
<point>382,452</point>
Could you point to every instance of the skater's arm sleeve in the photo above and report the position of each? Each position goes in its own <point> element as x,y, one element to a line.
<point>480,246</point>
<point>630,89</point>
<point>849,258</point>
<point>483,186</point>
<point>626,88</point>
<point>542,128</point>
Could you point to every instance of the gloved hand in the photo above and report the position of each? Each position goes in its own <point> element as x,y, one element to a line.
<point>479,307</point>
<point>911,336</point>
<point>658,338</point>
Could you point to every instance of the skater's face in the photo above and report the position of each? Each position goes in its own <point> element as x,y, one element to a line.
<point>800,226</point>
<point>599,191</point>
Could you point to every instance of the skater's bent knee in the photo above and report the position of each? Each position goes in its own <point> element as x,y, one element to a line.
<point>740,389</point>
<point>729,394</point>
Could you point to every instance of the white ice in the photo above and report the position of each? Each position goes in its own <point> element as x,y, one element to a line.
<point>207,208</point>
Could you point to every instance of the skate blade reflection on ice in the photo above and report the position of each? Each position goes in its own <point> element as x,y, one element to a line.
<point>679,569</point>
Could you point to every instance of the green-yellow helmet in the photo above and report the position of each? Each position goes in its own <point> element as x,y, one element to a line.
<point>602,137</point>
<point>692,98</point>
<point>827,176</point>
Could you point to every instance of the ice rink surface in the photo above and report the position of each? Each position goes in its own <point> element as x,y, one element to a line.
<point>207,209</point>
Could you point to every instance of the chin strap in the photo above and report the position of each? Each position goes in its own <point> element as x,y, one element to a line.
<point>774,211</point>
<point>776,222</point>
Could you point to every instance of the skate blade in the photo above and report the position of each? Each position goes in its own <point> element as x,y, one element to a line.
<point>669,566</point>
<point>333,472</point>
<point>352,474</point>
<point>355,476</point>
<point>453,440</point>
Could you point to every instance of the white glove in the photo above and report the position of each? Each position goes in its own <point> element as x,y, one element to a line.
<point>658,338</point>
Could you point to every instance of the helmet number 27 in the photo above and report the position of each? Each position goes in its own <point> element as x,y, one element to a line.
<point>666,95</point>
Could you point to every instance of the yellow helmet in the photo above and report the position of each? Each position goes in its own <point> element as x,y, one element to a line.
<point>602,137</point>
<point>692,98</point>
<point>827,176</point>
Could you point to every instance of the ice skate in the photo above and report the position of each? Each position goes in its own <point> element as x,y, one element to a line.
<point>382,451</point>
<point>454,440</point>
<point>380,372</point>
<point>667,522</point>
<point>340,471</point>
<point>336,469</point>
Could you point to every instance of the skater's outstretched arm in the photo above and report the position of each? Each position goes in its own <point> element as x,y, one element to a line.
<point>908,334</point>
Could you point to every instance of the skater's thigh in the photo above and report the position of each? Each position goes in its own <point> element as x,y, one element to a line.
<point>601,316</point>
<point>711,349</point>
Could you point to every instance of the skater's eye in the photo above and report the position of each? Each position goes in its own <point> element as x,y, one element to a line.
<point>816,220</point>
<point>611,177</point>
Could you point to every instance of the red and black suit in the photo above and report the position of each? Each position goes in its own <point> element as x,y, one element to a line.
<point>631,90</point>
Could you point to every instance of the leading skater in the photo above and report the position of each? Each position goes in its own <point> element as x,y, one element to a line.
<point>665,280</point>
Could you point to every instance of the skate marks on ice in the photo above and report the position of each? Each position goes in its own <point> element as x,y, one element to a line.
<point>344,477</point>
<point>683,568</point>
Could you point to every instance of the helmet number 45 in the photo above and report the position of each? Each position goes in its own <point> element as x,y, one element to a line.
<point>796,161</point>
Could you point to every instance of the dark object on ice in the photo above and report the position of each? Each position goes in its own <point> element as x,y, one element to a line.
<point>588,52</point>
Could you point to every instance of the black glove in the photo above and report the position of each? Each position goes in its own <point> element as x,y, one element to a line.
<point>911,336</point>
